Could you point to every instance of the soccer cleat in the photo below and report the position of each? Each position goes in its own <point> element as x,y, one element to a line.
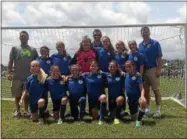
<point>26,115</point>
<point>40,121</point>
<point>17,115</point>
<point>157,114</point>
<point>59,121</point>
<point>100,122</point>
<point>116,121</point>
<point>138,124</point>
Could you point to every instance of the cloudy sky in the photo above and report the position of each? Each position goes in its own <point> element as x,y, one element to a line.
<point>91,13</point>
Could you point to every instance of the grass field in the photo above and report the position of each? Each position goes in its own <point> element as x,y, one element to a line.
<point>173,124</point>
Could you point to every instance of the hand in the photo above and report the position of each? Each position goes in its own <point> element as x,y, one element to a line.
<point>142,98</point>
<point>158,72</point>
<point>137,73</point>
<point>9,76</point>
<point>20,102</point>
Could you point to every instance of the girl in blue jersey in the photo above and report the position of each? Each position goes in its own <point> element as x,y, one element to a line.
<point>35,89</point>
<point>121,56</point>
<point>136,57</point>
<point>95,90</point>
<point>105,54</point>
<point>57,87</point>
<point>44,60</point>
<point>62,59</point>
<point>45,63</point>
<point>116,94</point>
<point>77,93</point>
<point>135,93</point>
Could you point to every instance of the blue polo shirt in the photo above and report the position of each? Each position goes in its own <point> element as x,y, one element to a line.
<point>137,58</point>
<point>132,82</point>
<point>35,89</point>
<point>121,58</point>
<point>76,87</point>
<point>63,62</point>
<point>56,87</point>
<point>104,58</point>
<point>45,64</point>
<point>94,84</point>
<point>115,84</point>
<point>94,45</point>
<point>151,50</point>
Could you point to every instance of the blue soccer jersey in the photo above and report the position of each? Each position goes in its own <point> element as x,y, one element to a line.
<point>132,82</point>
<point>45,64</point>
<point>121,58</point>
<point>137,58</point>
<point>76,87</point>
<point>115,84</point>
<point>151,50</point>
<point>63,62</point>
<point>35,89</point>
<point>94,84</point>
<point>104,58</point>
<point>56,87</point>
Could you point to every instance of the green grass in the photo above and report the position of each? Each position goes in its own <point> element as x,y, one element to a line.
<point>173,124</point>
<point>168,87</point>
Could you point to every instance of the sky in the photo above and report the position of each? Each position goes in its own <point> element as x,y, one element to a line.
<point>91,13</point>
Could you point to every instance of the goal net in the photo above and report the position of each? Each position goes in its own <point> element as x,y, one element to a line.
<point>170,36</point>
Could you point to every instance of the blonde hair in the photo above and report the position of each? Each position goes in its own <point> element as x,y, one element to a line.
<point>122,44</point>
<point>42,76</point>
<point>61,43</point>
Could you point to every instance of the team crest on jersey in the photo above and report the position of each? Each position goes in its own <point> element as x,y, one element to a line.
<point>135,58</point>
<point>122,56</point>
<point>99,76</point>
<point>149,45</point>
<point>134,78</point>
<point>61,82</point>
<point>65,59</point>
<point>48,62</point>
<point>80,82</point>
<point>109,53</point>
<point>117,78</point>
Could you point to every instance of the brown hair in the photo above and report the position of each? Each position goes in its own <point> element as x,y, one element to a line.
<point>45,47</point>
<point>62,43</point>
<point>118,72</point>
<point>133,41</point>
<point>122,44</point>
<point>25,32</point>
<point>110,47</point>
<point>81,46</point>
<point>130,62</point>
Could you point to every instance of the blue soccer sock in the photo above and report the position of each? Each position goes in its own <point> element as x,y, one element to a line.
<point>62,110</point>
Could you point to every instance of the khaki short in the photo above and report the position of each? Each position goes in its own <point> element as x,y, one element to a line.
<point>150,79</point>
<point>17,88</point>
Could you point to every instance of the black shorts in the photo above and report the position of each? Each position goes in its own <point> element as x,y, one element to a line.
<point>93,103</point>
<point>112,103</point>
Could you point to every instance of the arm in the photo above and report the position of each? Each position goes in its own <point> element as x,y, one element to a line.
<point>25,93</point>
<point>141,69</point>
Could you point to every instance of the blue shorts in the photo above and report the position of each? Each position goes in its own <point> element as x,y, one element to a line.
<point>33,107</point>
<point>56,104</point>
<point>133,104</point>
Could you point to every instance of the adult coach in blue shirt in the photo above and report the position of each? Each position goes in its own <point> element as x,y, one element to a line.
<point>152,51</point>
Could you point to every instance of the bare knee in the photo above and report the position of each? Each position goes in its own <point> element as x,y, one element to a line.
<point>142,103</point>
<point>120,100</point>
<point>64,100</point>
<point>102,98</point>
<point>41,102</point>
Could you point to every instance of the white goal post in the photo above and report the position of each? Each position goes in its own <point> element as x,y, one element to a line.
<point>172,36</point>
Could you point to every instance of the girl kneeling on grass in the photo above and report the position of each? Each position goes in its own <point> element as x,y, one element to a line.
<point>35,88</point>
<point>116,96</point>
<point>135,93</point>
<point>57,87</point>
<point>95,89</point>
<point>77,93</point>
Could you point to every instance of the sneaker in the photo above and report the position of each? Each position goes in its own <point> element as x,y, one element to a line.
<point>116,121</point>
<point>138,124</point>
<point>157,114</point>
<point>41,121</point>
<point>147,112</point>
<point>100,122</point>
<point>60,121</point>
<point>17,115</point>
<point>26,115</point>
